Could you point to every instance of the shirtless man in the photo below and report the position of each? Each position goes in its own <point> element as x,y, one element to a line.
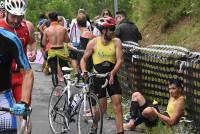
<point>55,36</point>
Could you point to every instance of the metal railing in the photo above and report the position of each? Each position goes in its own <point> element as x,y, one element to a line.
<point>149,70</point>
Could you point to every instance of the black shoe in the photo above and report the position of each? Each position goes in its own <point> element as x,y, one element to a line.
<point>93,130</point>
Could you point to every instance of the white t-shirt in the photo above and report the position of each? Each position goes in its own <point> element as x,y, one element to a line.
<point>96,32</point>
<point>75,32</point>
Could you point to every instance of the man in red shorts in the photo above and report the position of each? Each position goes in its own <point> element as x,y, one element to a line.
<point>14,22</point>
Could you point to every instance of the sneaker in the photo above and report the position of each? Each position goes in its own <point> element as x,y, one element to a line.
<point>93,130</point>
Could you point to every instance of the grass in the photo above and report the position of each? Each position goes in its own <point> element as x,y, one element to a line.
<point>179,35</point>
<point>186,36</point>
<point>160,128</point>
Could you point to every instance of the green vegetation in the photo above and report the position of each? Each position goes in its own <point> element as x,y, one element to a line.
<point>139,10</point>
<point>161,22</point>
<point>168,22</point>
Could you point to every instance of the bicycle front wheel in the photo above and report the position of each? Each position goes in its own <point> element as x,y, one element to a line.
<point>57,109</point>
<point>90,116</point>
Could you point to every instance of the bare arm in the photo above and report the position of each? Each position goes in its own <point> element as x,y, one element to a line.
<point>32,42</point>
<point>27,85</point>
<point>88,52</point>
<point>71,32</point>
<point>178,112</point>
<point>71,47</point>
<point>42,27</point>
<point>119,56</point>
<point>66,37</point>
<point>44,39</point>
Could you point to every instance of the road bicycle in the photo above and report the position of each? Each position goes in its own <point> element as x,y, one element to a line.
<point>24,123</point>
<point>82,108</point>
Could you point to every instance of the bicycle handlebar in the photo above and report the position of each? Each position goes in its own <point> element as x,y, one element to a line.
<point>79,50</point>
<point>24,122</point>
<point>10,110</point>
<point>183,119</point>
<point>5,109</point>
<point>75,81</point>
<point>98,75</point>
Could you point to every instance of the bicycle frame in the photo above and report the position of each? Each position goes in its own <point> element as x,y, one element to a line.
<point>67,88</point>
<point>85,88</point>
<point>68,111</point>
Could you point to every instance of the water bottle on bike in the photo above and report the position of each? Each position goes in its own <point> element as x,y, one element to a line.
<point>76,99</point>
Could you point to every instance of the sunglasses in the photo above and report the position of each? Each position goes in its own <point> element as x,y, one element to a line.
<point>111,28</point>
<point>106,13</point>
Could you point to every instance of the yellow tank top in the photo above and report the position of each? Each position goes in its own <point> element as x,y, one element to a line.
<point>171,105</point>
<point>104,52</point>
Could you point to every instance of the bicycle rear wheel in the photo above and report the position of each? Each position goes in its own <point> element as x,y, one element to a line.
<point>57,109</point>
<point>90,115</point>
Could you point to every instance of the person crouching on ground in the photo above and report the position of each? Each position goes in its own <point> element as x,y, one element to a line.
<point>141,111</point>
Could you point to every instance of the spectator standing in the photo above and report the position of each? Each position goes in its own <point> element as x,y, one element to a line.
<point>42,25</point>
<point>105,13</point>
<point>62,21</point>
<point>126,30</point>
<point>85,37</point>
<point>74,36</point>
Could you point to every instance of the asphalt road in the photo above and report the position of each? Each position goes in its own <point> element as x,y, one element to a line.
<point>40,98</point>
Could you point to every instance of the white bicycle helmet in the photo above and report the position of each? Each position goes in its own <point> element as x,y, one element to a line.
<point>2,6</point>
<point>16,7</point>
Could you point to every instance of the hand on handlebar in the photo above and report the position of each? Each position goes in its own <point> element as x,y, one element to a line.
<point>21,109</point>
<point>18,109</point>
<point>85,75</point>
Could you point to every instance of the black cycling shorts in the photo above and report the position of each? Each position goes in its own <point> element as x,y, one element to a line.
<point>147,122</point>
<point>53,63</point>
<point>111,89</point>
<point>45,55</point>
<point>73,55</point>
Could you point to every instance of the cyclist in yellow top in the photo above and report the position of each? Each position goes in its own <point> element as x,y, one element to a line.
<point>141,110</point>
<point>106,52</point>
